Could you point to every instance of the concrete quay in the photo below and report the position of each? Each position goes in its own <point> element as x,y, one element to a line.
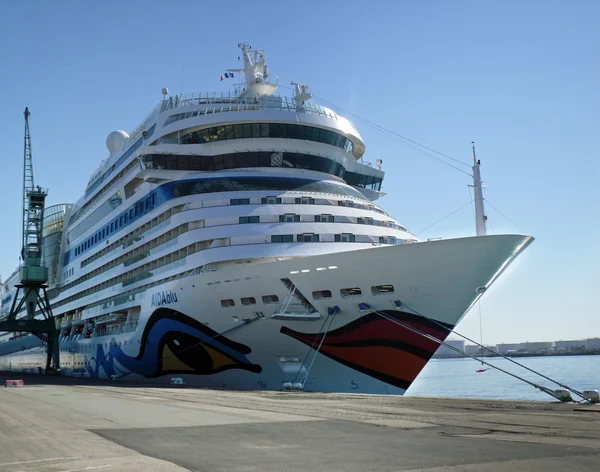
<point>63,424</point>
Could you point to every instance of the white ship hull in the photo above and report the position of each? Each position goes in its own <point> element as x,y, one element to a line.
<point>184,331</point>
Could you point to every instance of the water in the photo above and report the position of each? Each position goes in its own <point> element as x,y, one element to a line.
<point>457,377</point>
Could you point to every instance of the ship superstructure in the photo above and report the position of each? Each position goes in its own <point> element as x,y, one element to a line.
<point>235,241</point>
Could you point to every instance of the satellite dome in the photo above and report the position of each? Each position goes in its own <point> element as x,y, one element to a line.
<point>115,140</point>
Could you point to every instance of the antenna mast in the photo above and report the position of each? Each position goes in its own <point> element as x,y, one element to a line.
<point>480,218</point>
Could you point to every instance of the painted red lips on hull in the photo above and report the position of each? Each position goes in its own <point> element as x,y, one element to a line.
<point>378,347</point>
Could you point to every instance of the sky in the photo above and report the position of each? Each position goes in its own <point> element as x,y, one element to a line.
<point>520,78</point>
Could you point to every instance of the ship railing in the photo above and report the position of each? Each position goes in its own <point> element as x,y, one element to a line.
<point>227,102</point>
<point>146,122</point>
<point>115,329</point>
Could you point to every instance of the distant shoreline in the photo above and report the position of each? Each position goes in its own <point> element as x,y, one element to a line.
<point>523,354</point>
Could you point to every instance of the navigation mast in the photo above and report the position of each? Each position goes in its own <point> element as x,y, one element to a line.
<point>255,73</point>
<point>480,218</point>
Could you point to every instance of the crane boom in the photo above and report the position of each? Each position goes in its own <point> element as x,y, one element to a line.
<point>28,183</point>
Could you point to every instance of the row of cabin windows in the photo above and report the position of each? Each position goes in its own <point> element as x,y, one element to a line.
<point>142,207</point>
<point>247,301</point>
<point>267,130</point>
<point>307,201</point>
<point>314,238</point>
<point>136,211</point>
<point>133,236</point>
<point>56,292</point>
<point>354,292</point>
<point>290,218</point>
<point>131,257</point>
<point>143,251</point>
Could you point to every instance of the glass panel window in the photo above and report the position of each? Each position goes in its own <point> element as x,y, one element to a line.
<point>248,301</point>
<point>289,218</point>
<point>249,219</point>
<point>239,201</point>
<point>247,130</point>
<point>237,131</point>
<point>345,238</point>
<point>305,200</point>
<point>264,130</point>
<point>282,238</point>
<point>227,303</point>
<point>256,130</point>
<point>307,238</point>
<point>324,218</point>
<point>270,200</point>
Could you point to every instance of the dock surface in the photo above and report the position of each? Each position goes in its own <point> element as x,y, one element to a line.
<point>61,424</point>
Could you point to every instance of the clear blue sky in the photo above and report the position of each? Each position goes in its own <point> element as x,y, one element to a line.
<point>521,78</point>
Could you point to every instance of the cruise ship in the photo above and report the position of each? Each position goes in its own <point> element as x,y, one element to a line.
<point>235,241</point>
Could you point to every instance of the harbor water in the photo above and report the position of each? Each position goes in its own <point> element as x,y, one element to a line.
<point>459,378</point>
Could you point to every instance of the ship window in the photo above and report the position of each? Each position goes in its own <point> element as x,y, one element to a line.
<point>320,294</point>
<point>324,218</point>
<point>237,131</point>
<point>270,200</point>
<point>239,201</point>
<point>227,303</point>
<point>289,218</point>
<point>248,301</point>
<point>307,238</point>
<point>305,200</point>
<point>247,130</point>
<point>382,289</point>
<point>270,299</point>
<point>351,292</point>
<point>345,238</point>
<point>282,238</point>
<point>271,130</point>
<point>249,219</point>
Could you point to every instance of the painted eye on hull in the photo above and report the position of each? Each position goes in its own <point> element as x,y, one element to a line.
<point>176,343</point>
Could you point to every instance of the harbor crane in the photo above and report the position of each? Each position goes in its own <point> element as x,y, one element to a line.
<point>31,298</point>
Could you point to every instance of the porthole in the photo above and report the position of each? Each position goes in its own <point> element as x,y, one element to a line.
<point>320,294</point>
<point>351,292</point>
<point>382,289</point>
<point>248,301</point>
<point>270,299</point>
